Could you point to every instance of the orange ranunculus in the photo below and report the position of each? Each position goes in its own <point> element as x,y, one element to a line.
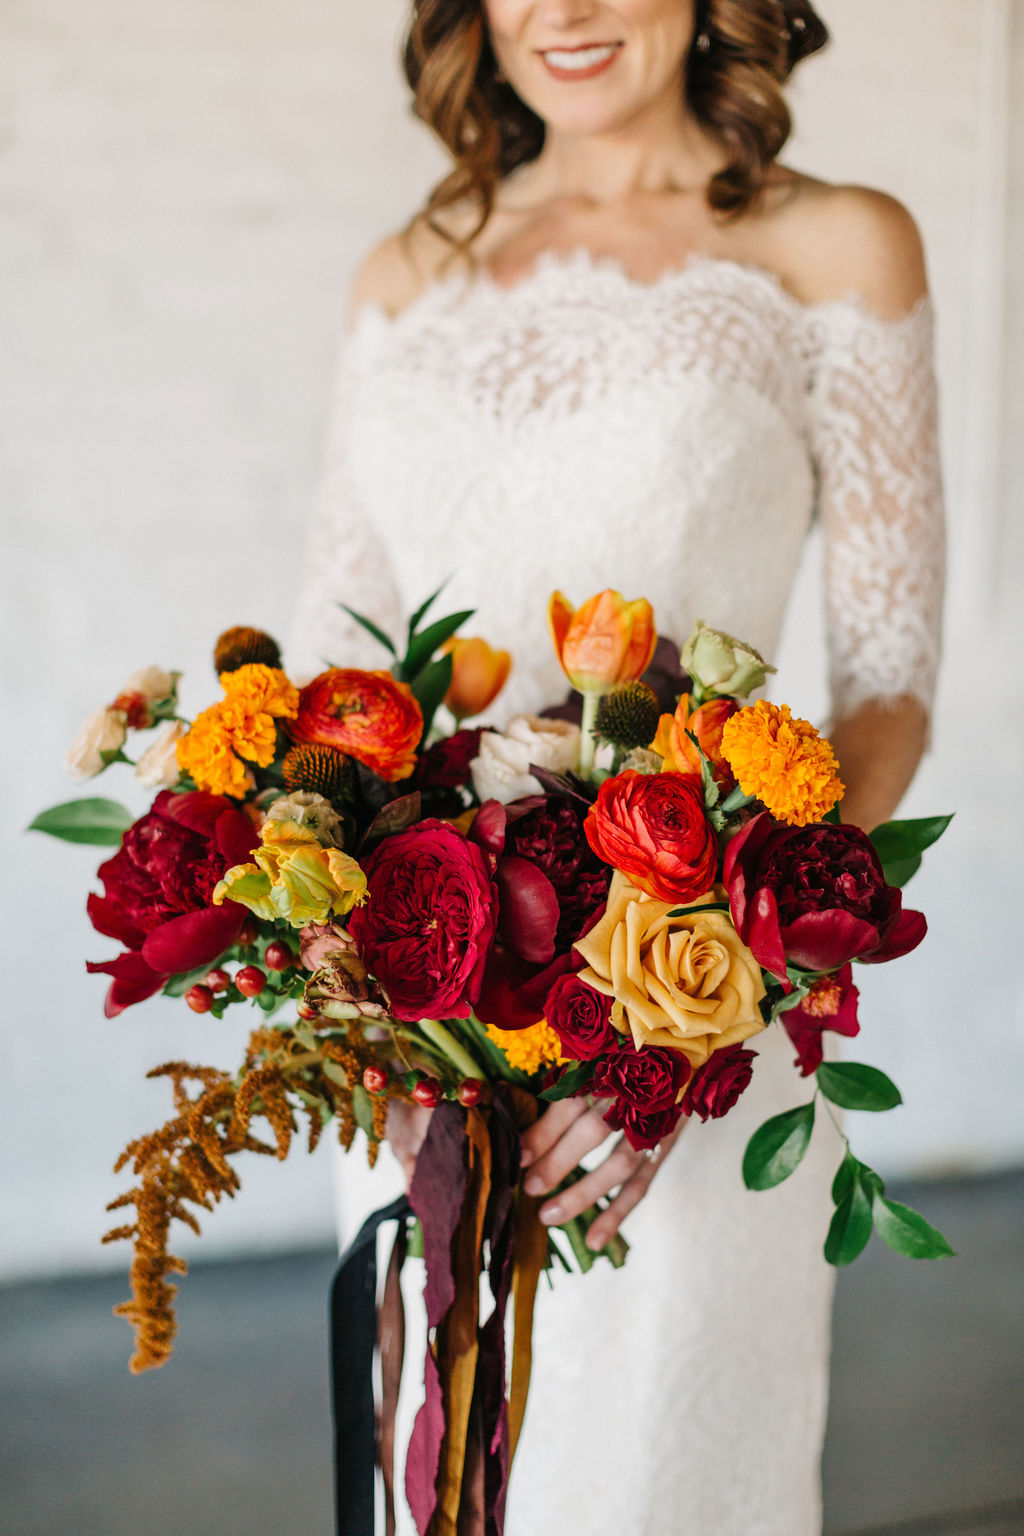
<point>607,641</point>
<point>706,723</point>
<point>479,673</point>
<point>366,715</point>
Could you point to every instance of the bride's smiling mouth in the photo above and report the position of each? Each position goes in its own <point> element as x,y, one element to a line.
<point>583,62</point>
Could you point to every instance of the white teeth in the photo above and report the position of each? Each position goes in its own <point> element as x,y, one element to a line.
<point>579,58</point>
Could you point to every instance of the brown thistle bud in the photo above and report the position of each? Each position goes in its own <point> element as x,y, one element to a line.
<point>320,769</point>
<point>628,716</point>
<point>241,647</point>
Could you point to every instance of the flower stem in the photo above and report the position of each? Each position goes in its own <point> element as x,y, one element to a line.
<point>447,1044</point>
<point>588,745</point>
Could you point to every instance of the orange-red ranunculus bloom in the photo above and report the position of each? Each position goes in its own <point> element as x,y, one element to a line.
<point>607,641</point>
<point>652,827</point>
<point>479,673</point>
<point>366,715</point>
<point>706,723</point>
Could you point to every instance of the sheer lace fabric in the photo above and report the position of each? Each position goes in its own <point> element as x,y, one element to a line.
<point>673,440</point>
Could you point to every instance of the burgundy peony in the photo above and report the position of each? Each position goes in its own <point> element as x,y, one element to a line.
<point>653,828</point>
<point>581,1018</point>
<point>816,897</point>
<point>646,1085</point>
<point>157,891</point>
<point>429,922</point>
<point>831,1005</point>
<point>714,1088</point>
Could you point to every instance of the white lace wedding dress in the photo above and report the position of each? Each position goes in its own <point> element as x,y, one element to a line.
<point>673,440</point>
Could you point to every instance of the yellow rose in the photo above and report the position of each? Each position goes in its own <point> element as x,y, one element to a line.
<point>688,983</point>
<point>294,879</point>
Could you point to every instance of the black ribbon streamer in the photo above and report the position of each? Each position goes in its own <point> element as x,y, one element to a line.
<point>353,1340</point>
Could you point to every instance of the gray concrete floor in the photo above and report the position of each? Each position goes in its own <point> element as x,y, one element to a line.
<point>926,1434</point>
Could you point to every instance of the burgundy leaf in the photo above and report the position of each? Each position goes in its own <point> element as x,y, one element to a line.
<point>436,1195</point>
<point>424,1453</point>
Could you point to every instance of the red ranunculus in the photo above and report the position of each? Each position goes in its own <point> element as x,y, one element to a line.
<point>653,828</point>
<point>830,1005</point>
<point>157,891</point>
<point>366,715</point>
<point>714,1088</point>
<point>429,922</point>
<point>581,1018</point>
<point>815,896</point>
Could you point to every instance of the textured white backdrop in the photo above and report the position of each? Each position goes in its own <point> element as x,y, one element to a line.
<point>184,191</point>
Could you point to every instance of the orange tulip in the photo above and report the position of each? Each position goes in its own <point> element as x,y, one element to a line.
<point>479,673</point>
<point>606,642</point>
<point>706,723</point>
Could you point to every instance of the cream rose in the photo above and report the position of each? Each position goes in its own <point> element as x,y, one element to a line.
<point>157,768</point>
<point>688,983</point>
<point>105,730</point>
<point>502,769</point>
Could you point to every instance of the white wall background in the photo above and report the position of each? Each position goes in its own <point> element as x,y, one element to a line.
<point>184,191</point>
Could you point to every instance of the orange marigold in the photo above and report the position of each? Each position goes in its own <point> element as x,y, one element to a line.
<point>206,754</point>
<point>528,1050</point>
<point>250,735</point>
<point>261,690</point>
<point>782,762</point>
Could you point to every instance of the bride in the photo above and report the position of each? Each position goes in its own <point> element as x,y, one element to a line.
<point>623,346</point>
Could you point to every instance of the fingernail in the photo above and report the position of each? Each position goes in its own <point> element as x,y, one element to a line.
<point>595,1241</point>
<point>534,1186</point>
<point>551,1215</point>
<point>525,1158</point>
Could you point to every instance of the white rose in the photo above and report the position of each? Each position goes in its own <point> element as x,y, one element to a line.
<point>157,768</point>
<point>152,682</point>
<point>104,731</point>
<point>502,770</point>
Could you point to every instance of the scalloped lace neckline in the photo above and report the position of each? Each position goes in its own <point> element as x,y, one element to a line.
<point>554,269</point>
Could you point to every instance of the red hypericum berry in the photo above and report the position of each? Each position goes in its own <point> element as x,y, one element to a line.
<point>249,934</point>
<point>428,1092</point>
<point>250,980</point>
<point>218,980</point>
<point>199,998</point>
<point>376,1079</point>
<point>278,957</point>
<point>306,1011</point>
<point>471,1092</point>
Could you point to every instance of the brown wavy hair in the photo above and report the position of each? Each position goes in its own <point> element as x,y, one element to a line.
<point>734,86</point>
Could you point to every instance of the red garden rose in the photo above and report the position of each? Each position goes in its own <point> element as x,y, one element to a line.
<point>158,889</point>
<point>653,828</point>
<point>581,1018</point>
<point>646,1085</point>
<point>816,897</point>
<point>366,715</point>
<point>830,1005</point>
<point>714,1088</point>
<point>429,921</point>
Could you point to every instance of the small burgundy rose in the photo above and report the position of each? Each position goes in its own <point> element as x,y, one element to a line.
<point>643,1131</point>
<point>581,1018</point>
<point>714,1088</point>
<point>650,1079</point>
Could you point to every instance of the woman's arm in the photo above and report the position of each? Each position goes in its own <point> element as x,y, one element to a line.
<point>879,747</point>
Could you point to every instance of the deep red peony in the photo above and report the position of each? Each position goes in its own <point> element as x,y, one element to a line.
<point>581,1018</point>
<point>831,1005</point>
<point>653,828</point>
<point>714,1088</point>
<point>157,891</point>
<point>646,1085</point>
<point>816,897</point>
<point>429,920</point>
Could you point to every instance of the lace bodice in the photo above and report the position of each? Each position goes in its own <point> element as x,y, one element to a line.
<point>672,439</point>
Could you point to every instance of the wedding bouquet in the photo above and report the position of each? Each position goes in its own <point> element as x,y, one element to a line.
<point>478,921</point>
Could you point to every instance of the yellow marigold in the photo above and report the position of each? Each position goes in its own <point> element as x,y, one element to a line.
<point>261,690</point>
<point>207,756</point>
<point>782,762</point>
<point>529,1050</point>
<point>250,735</point>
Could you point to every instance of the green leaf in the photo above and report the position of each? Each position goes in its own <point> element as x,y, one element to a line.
<point>851,1227</point>
<point>430,688</point>
<point>101,822</point>
<point>709,784</point>
<point>833,817</point>
<point>573,1080</point>
<point>855,1086</point>
<point>701,906</point>
<point>179,985</point>
<point>425,608</point>
<point>907,1232</point>
<point>778,1147</point>
<point>423,645</point>
<point>736,800</point>
<point>900,844</point>
<point>362,1108</point>
<point>849,1171</point>
<point>371,628</point>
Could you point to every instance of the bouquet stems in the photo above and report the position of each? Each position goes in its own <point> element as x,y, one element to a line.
<point>447,1044</point>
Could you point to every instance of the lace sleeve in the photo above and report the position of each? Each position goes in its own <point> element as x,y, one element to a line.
<point>345,561</point>
<point>874,438</point>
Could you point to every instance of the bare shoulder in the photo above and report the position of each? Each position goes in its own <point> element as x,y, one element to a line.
<point>842,240</point>
<point>396,271</point>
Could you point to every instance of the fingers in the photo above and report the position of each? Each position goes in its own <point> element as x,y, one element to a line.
<point>548,1127</point>
<point>586,1132</point>
<point>634,1188</point>
<point>620,1165</point>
